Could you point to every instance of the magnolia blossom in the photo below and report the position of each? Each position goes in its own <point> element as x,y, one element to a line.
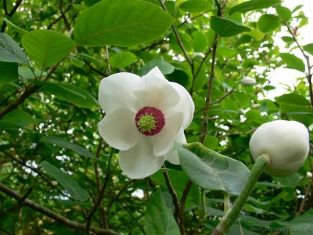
<point>144,117</point>
<point>286,143</point>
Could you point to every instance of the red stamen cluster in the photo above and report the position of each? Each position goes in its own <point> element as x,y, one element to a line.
<point>156,114</point>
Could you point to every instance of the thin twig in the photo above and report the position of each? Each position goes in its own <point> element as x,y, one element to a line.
<point>29,90</point>
<point>9,14</point>
<point>180,42</point>
<point>172,192</point>
<point>204,127</point>
<point>51,214</point>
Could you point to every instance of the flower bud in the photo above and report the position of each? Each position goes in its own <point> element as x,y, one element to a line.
<point>286,143</point>
<point>248,81</point>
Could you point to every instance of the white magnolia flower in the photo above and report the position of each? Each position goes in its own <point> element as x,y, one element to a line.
<point>285,142</point>
<point>144,117</point>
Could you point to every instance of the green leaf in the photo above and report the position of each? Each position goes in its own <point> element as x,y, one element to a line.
<point>253,5</point>
<point>197,6</point>
<point>308,48</point>
<point>15,27</point>
<point>10,50</point>
<point>69,184</point>
<point>227,27</point>
<point>70,93</point>
<point>18,118</point>
<point>67,145</point>
<point>8,72</point>
<point>293,62</point>
<point>268,23</point>
<point>47,47</point>
<point>226,52</point>
<point>164,66</point>
<point>283,12</point>
<point>287,39</point>
<point>199,41</point>
<point>159,218</point>
<point>297,107</point>
<point>121,23</point>
<point>213,170</point>
<point>122,59</point>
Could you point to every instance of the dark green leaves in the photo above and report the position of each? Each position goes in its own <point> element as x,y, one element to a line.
<point>268,23</point>
<point>67,145</point>
<point>213,171</point>
<point>253,5</point>
<point>293,62</point>
<point>18,119</point>
<point>70,93</point>
<point>10,51</point>
<point>69,184</point>
<point>121,23</point>
<point>309,48</point>
<point>227,27</point>
<point>8,72</point>
<point>159,218</point>
<point>47,47</point>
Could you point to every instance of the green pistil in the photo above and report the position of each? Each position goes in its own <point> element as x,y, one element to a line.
<point>146,123</point>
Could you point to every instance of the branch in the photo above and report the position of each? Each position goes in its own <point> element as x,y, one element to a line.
<point>180,42</point>
<point>51,214</point>
<point>100,195</point>
<point>204,127</point>
<point>31,89</point>
<point>307,59</point>
<point>11,13</point>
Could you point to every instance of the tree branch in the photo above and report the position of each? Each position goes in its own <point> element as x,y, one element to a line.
<point>51,214</point>
<point>180,42</point>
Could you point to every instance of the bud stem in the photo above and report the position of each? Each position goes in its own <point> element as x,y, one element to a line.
<point>228,219</point>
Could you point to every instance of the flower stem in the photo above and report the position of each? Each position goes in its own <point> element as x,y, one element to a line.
<point>232,214</point>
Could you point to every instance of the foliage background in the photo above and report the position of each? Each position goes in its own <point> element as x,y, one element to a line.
<point>50,150</point>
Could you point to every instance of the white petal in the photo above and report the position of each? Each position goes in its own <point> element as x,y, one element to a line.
<point>172,155</point>
<point>117,91</point>
<point>163,141</point>
<point>185,105</point>
<point>118,129</point>
<point>154,77</point>
<point>139,161</point>
<point>163,98</point>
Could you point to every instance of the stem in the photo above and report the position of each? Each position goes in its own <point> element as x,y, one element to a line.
<point>51,214</point>
<point>228,219</point>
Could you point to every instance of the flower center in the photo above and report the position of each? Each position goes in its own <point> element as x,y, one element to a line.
<point>149,120</point>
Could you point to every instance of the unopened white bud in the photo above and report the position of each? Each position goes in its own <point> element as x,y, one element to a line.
<point>286,143</point>
<point>248,81</point>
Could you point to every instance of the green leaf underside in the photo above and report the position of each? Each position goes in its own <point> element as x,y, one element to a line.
<point>136,22</point>
<point>213,171</point>
<point>227,27</point>
<point>47,47</point>
<point>69,184</point>
<point>67,145</point>
<point>70,93</point>
<point>10,50</point>
<point>159,218</point>
<point>253,5</point>
<point>293,62</point>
